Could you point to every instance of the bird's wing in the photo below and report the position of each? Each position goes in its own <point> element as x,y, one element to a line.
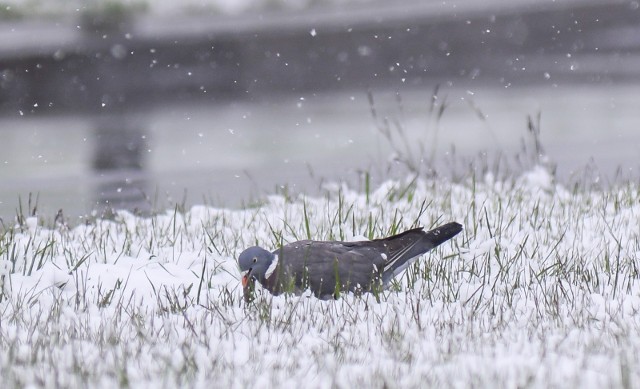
<point>404,248</point>
<point>328,267</point>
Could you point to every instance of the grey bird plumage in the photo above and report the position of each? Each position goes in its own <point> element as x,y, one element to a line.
<point>330,267</point>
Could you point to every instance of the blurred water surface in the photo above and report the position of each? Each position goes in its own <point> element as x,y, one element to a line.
<point>231,154</point>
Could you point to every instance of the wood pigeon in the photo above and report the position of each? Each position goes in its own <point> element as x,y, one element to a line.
<point>330,267</point>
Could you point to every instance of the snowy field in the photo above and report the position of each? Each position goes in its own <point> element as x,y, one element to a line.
<point>541,289</point>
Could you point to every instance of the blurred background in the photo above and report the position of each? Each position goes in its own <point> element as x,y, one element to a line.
<point>144,104</point>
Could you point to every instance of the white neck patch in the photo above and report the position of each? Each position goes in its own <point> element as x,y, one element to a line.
<point>272,267</point>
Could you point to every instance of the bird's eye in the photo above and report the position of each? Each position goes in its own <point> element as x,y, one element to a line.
<point>255,259</point>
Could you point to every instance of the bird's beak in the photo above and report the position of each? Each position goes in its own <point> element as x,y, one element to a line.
<point>245,278</point>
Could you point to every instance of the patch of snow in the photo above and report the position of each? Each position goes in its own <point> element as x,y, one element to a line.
<point>32,223</point>
<point>538,178</point>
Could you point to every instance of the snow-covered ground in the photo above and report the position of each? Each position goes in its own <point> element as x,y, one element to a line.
<point>541,289</point>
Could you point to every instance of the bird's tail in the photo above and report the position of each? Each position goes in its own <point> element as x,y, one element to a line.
<point>443,233</point>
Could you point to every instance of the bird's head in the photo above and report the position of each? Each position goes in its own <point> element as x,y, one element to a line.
<point>254,263</point>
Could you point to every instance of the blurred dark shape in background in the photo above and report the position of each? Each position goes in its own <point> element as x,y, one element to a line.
<point>130,139</point>
<point>118,161</point>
